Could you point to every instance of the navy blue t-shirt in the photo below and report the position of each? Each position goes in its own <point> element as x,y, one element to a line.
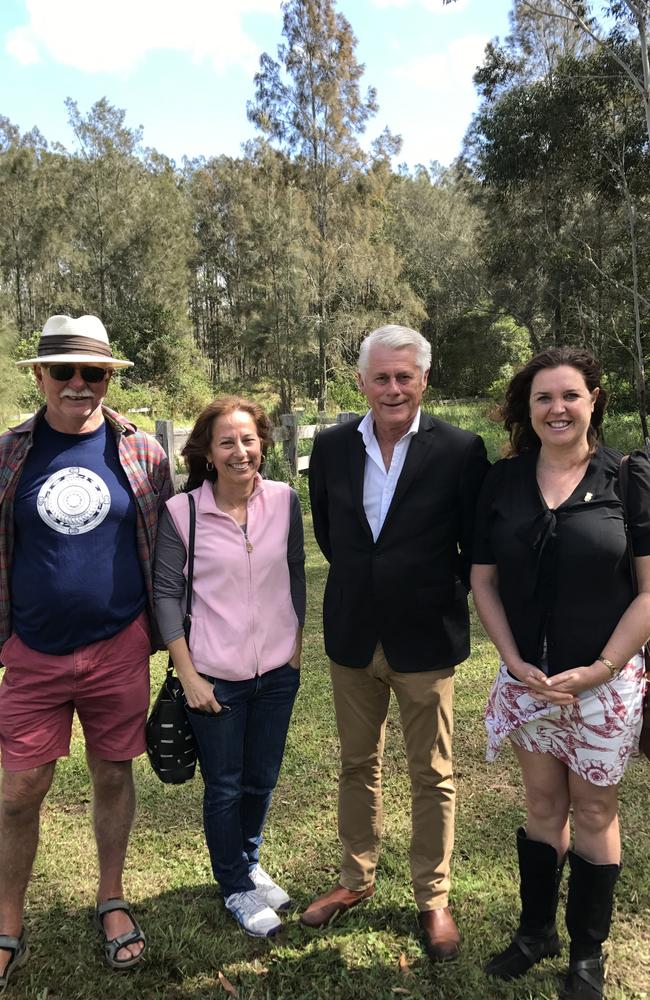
<point>76,577</point>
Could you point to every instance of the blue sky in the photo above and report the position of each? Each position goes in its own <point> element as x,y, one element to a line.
<point>184,71</point>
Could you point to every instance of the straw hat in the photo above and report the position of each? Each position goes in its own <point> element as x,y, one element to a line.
<point>78,341</point>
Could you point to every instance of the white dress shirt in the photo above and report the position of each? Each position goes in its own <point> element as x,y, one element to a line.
<point>379,483</point>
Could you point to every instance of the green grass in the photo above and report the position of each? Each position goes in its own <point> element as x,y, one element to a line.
<point>478,416</point>
<point>192,940</point>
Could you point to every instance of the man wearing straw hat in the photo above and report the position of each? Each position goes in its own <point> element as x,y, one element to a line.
<point>80,492</point>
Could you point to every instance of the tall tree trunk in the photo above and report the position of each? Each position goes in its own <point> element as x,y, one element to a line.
<point>19,298</point>
<point>322,365</point>
<point>639,361</point>
<point>323,333</point>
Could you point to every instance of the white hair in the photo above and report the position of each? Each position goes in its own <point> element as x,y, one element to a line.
<point>396,337</point>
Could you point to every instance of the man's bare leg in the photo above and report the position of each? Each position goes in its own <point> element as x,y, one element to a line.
<point>21,796</point>
<point>113,811</point>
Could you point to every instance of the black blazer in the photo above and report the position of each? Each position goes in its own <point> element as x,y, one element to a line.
<point>409,588</point>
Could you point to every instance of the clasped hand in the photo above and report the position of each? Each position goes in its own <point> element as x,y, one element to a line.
<point>560,689</point>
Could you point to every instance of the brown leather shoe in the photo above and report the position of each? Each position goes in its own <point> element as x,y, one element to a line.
<point>339,899</point>
<point>441,937</point>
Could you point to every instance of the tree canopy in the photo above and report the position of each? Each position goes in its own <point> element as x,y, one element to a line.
<point>270,267</point>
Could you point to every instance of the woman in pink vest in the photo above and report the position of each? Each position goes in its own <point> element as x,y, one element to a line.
<point>240,670</point>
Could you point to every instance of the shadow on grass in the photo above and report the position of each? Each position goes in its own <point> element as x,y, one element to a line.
<point>373,952</point>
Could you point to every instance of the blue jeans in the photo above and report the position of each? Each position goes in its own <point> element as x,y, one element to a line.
<point>240,751</point>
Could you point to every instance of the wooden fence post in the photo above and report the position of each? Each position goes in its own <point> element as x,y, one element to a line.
<point>165,437</point>
<point>290,444</point>
<point>342,418</point>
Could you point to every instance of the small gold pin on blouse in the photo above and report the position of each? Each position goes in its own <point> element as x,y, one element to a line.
<point>588,497</point>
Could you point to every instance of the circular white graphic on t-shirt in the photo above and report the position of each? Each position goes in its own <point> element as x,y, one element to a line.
<point>73,501</point>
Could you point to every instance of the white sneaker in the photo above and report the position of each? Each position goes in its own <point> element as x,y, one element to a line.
<point>252,912</point>
<point>268,890</point>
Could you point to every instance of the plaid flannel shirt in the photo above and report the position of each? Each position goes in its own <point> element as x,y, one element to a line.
<point>146,467</point>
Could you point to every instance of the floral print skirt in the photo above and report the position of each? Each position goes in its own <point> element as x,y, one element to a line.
<point>594,736</point>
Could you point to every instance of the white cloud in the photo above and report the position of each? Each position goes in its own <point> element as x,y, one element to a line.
<point>21,45</point>
<point>440,99</point>
<point>434,134</point>
<point>116,35</point>
<point>435,6</point>
<point>446,71</point>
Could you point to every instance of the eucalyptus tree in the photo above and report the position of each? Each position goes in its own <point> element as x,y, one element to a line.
<point>630,17</point>
<point>280,232</point>
<point>563,163</point>
<point>33,225</point>
<point>131,241</point>
<point>224,263</point>
<point>206,284</point>
<point>19,183</point>
<point>435,226</point>
<point>107,179</point>
<point>310,103</point>
<point>631,22</point>
<point>516,148</point>
<point>8,381</point>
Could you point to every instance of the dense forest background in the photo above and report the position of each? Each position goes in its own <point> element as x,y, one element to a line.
<point>268,269</point>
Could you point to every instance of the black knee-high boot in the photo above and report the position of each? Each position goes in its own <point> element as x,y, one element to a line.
<point>540,874</point>
<point>588,916</point>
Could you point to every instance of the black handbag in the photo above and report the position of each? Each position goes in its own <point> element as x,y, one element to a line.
<point>170,741</point>
<point>644,737</point>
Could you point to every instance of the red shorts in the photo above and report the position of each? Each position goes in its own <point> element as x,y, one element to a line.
<point>107,682</point>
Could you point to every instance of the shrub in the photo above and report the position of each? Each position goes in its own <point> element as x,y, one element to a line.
<point>26,393</point>
<point>9,384</point>
<point>343,393</point>
<point>480,351</point>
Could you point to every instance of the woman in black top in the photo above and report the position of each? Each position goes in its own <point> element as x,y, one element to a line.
<point>553,588</point>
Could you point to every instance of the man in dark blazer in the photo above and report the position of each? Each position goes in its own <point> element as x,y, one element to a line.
<point>393,498</point>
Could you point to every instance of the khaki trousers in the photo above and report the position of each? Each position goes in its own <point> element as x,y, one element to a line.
<point>361,699</point>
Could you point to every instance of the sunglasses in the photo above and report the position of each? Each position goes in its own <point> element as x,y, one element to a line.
<point>89,373</point>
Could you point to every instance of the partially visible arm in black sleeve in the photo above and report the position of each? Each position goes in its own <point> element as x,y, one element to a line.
<point>296,559</point>
<point>474,471</point>
<point>638,502</point>
<point>318,497</point>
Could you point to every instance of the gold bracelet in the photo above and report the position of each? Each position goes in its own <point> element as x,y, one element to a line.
<point>610,666</point>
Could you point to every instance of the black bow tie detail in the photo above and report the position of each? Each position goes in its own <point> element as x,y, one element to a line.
<point>541,535</point>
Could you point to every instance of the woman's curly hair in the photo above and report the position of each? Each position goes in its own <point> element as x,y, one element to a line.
<point>515,411</point>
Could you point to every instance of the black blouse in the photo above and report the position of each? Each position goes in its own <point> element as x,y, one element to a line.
<point>564,572</point>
